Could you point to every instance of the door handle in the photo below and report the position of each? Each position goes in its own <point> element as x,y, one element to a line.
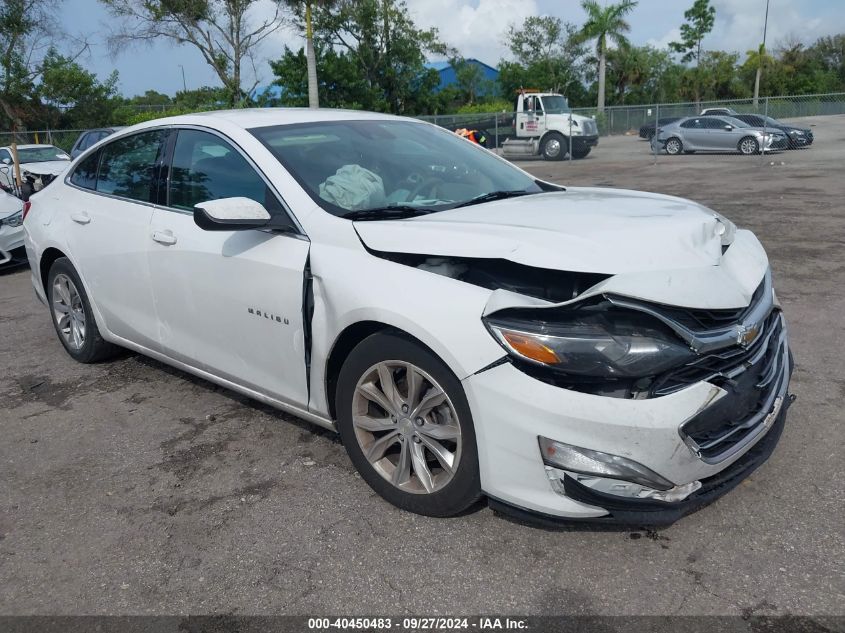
<point>164,237</point>
<point>80,218</point>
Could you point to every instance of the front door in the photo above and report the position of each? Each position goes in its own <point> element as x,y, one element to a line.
<point>229,302</point>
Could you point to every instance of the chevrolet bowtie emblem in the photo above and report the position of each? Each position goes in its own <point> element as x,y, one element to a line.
<point>746,334</point>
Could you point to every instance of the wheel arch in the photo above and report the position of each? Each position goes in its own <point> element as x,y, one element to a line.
<point>48,257</point>
<point>346,341</point>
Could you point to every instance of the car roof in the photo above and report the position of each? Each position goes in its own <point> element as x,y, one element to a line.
<point>248,118</point>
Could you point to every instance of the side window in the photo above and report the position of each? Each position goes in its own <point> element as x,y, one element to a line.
<point>714,124</point>
<point>128,166</point>
<point>85,142</point>
<point>4,153</point>
<point>85,174</point>
<point>692,123</point>
<point>205,167</point>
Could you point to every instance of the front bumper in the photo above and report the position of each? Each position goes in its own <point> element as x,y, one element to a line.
<point>11,244</point>
<point>583,142</point>
<point>512,409</point>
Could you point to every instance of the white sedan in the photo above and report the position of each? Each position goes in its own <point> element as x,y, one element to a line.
<point>469,330</point>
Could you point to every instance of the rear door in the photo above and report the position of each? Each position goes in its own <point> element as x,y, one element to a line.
<point>110,204</point>
<point>229,302</point>
<point>695,134</point>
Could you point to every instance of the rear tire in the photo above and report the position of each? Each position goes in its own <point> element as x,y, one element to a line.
<point>749,146</point>
<point>555,146</point>
<point>674,146</point>
<point>73,318</point>
<point>419,456</point>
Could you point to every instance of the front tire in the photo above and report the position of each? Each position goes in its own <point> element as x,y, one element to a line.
<point>749,146</point>
<point>73,318</point>
<point>406,425</point>
<point>555,146</point>
<point>581,153</point>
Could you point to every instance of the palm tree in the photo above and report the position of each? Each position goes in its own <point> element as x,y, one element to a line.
<point>605,23</point>
<point>310,54</point>
<point>311,59</point>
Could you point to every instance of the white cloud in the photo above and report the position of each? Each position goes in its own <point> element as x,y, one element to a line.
<point>739,24</point>
<point>476,29</point>
<point>673,35</point>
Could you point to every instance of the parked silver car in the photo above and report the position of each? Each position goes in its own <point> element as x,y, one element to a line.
<point>717,134</point>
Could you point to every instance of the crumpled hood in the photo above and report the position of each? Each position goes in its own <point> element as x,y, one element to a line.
<point>607,231</point>
<point>50,167</point>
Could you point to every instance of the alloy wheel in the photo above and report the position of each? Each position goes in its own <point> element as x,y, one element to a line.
<point>69,311</point>
<point>748,146</point>
<point>673,146</point>
<point>406,426</point>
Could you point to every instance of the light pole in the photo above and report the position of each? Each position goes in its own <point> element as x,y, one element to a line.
<point>761,56</point>
<point>184,85</point>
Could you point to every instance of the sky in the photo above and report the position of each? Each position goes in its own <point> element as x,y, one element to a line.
<point>475,27</point>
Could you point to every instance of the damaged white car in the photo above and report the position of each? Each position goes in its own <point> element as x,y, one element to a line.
<point>39,165</point>
<point>11,229</point>
<point>469,330</point>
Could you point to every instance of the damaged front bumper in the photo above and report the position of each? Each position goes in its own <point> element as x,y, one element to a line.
<point>687,437</point>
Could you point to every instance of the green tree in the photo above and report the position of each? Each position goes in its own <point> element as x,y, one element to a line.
<point>700,19</point>
<point>378,40</point>
<point>549,51</point>
<point>74,96</point>
<point>635,74</point>
<point>221,30</point>
<point>605,23</point>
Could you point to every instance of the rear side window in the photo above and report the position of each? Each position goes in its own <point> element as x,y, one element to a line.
<point>129,166</point>
<point>85,174</point>
<point>205,167</point>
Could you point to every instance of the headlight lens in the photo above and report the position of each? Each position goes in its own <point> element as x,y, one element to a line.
<point>16,219</point>
<point>596,341</point>
<point>589,462</point>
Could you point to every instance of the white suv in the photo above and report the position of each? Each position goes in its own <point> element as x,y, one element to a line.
<point>468,329</point>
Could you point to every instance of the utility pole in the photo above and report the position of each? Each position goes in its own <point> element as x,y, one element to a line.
<point>761,55</point>
<point>184,84</point>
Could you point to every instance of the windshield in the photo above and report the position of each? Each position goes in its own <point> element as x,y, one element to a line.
<point>381,165</point>
<point>555,104</point>
<point>41,154</point>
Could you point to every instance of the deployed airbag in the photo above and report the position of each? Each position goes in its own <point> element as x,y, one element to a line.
<point>353,187</point>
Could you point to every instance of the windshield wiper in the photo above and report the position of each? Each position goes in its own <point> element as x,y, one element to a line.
<point>493,195</point>
<point>393,212</point>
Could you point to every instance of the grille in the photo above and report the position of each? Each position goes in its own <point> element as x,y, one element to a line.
<point>751,378</point>
<point>722,364</point>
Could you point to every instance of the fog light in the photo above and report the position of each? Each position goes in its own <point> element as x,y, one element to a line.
<point>589,462</point>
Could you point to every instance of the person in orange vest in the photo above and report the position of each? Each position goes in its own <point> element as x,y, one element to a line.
<point>476,136</point>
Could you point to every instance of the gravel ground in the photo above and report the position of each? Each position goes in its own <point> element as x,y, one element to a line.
<point>129,487</point>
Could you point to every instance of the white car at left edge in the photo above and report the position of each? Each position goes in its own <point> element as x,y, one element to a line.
<point>11,229</point>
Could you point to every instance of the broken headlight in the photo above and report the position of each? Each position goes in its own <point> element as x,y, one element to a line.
<point>597,341</point>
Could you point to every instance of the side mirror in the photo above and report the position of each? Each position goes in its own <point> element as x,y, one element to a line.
<point>729,127</point>
<point>7,161</point>
<point>231,214</point>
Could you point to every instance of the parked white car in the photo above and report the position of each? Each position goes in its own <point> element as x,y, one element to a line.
<point>39,165</point>
<point>11,229</point>
<point>469,330</point>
